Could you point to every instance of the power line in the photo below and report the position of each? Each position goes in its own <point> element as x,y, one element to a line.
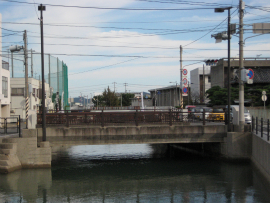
<point>103,67</point>
<point>186,3</point>
<point>207,32</point>
<point>113,8</point>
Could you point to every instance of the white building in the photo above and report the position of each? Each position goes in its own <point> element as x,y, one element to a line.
<point>4,85</point>
<point>200,82</point>
<point>4,89</point>
<point>18,96</point>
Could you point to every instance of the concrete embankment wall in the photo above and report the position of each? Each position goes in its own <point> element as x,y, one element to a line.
<point>16,153</point>
<point>259,112</point>
<point>261,155</point>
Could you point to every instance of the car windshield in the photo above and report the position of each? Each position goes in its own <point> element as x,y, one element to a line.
<point>217,110</point>
<point>191,109</point>
<point>207,109</point>
<point>245,110</point>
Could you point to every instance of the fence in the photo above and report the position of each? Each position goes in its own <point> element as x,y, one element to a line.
<point>55,71</point>
<point>261,127</point>
<point>10,125</point>
<point>133,117</point>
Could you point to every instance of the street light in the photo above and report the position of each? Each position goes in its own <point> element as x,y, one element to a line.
<point>223,37</point>
<point>42,8</point>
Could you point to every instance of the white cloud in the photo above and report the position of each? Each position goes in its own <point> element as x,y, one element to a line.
<point>145,71</point>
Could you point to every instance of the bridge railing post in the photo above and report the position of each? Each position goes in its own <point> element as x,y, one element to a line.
<point>267,129</point>
<point>5,125</point>
<point>136,118</point>
<point>67,119</point>
<point>170,117</point>
<point>261,127</point>
<point>256,125</point>
<point>203,116</point>
<point>20,135</point>
<point>252,124</point>
<point>102,118</point>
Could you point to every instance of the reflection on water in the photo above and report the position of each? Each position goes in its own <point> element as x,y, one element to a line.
<point>133,173</point>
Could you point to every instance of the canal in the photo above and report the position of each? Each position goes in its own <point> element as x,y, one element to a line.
<point>134,173</point>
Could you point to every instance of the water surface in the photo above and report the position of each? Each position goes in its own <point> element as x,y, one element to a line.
<point>133,173</point>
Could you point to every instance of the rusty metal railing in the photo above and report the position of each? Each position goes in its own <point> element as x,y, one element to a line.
<point>134,117</point>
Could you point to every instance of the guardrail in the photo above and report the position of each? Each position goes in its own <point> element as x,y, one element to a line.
<point>261,127</point>
<point>134,117</point>
<point>10,125</point>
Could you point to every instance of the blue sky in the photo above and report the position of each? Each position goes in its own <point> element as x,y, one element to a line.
<point>131,41</point>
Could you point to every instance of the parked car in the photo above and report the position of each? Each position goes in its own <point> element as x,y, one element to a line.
<point>197,112</point>
<point>207,110</point>
<point>189,108</point>
<point>217,114</point>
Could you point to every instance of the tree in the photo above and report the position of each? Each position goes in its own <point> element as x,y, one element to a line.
<point>126,99</point>
<point>255,93</point>
<point>194,97</point>
<point>110,98</point>
<point>98,100</point>
<point>219,96</point>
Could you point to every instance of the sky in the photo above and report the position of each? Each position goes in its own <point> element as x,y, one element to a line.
<point>131,45</point>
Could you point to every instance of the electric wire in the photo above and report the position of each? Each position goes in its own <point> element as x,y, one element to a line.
<point>112,8</point>
<point>207,32</point>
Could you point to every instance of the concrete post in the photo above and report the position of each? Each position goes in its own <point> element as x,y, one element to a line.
<point>241,66</point>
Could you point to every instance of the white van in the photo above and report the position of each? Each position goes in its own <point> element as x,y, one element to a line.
<point>246,113</point>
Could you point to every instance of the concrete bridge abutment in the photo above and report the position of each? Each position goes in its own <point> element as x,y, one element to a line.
<point>23,152</point>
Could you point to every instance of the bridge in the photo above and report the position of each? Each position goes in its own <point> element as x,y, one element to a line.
<point>130,127</point>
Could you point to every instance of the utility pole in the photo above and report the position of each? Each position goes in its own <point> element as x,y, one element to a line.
<point>12,63</point>
<point>58,75</point>
<point>155,98</point>
<point>32,64</point>
<point>125,87</point>
<point>181,72</point>
<point>26,77</point>
<point>42,8</point>
<point>114,86</point>
<point>229,72</point>
<point>203,85</point>
<point>49,78</point>
<point>121,101</point>
<point>241,66</point>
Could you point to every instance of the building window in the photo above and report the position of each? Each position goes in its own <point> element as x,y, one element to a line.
<point>34,92</point>
<point>17,91</point>
<point>5,65</point>
<point>209,78</point>
<point>5,86</point>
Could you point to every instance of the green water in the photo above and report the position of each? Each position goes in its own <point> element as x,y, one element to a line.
<point>133,173</point>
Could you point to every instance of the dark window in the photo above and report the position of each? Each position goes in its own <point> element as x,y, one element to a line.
<point>17,91</point>
<point>5,86</point>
